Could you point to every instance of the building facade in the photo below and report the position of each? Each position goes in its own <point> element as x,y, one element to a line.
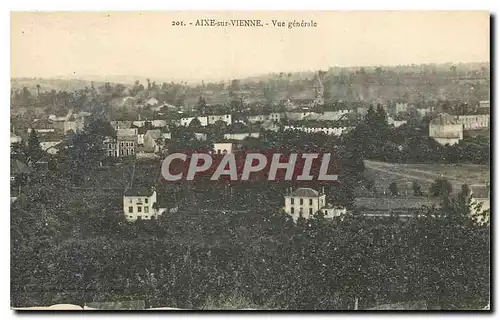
<point>140,204</point>
<point>223,148</point>
<point>445,129</point>
<point>475,121</point>
<point>126,146</point>
<point>304,202</point>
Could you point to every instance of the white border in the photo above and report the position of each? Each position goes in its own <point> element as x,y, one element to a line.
<point>49,5</point>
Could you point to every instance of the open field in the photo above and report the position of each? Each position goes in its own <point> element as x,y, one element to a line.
<point>404,174</point>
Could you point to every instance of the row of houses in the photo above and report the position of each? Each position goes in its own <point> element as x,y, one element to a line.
<point>72,122</point>
<point>448,129</point>
<point>307,202</point>
<point>136,142</point>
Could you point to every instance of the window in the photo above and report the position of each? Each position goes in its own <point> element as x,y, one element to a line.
<point>146,209</point>
<point>301,201</point>
<point>130,209</point>
<point>146,200</point>
<point>310,211</point>
<point>310,202</point>
<point>293,210</point>
<point>130,200</point>
<point>292,200</point>
<point>139,209</point>
<point>145,217</point>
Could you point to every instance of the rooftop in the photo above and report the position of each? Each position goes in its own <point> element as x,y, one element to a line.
<point>139,192</point>
<point>304,192</point>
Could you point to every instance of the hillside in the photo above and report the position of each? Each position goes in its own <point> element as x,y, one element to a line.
<point>413,83</point>
<point>51,84</point>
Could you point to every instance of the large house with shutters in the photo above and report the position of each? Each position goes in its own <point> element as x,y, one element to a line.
<point>306,202</point>
<point>138,203</point>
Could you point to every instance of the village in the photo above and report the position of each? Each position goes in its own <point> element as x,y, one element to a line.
<point>223,130</point>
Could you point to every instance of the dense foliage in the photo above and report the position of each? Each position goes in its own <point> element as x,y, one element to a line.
<point>74,249</point>
<point>69,245</point>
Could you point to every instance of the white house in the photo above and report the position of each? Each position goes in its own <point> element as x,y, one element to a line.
<point>331,211</point>
<point>333,115</point>
<point>241,136</point>
<point>336,131</point>
<point>111,147</point>
<point>140,138</point>
<point>75,125</point>
<point>126,132</point>
<point>423,111</point>
<point>223,147</point>
<point>484,104</point>
<point>150,141</point>
<point>304,202</point>
<point>159,123</point>
<point>276,116</point>
<point>50,145</point>
<point>270,126</point>
<point>152,102</point>
<point>53,117</point>
<point>297,115</point>
<point>257,118</point>
<point>139,123</point>
<point>446,130</point>
<point>119,124</point>
<point>224,117</point>
<point>474,121</point>
<point>401,107</point>
<point>139,203</point>
<point>186,121</point>
<point>166,135</point>
<point>395,123</point>
<point>200,136</point>
<point>15,138</point>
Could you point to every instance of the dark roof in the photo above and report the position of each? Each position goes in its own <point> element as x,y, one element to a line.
<point>304,192</point>
<point>139,192</point>
<point>142,130</point>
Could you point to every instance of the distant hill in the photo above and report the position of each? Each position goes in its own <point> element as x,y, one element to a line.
<point>411,83</point>
<point>51,84</point>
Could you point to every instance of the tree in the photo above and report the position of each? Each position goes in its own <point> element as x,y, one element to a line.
<point>417,189</point>
<point>393,188</point>
<point>34,150</point>
<point>441,187</point>
<point>195,123</point>
<point>201,105</point>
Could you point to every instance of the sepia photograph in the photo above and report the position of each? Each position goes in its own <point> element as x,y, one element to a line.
<point>250,160</point>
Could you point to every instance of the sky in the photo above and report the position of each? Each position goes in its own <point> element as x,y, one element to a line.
<point>78,44</point>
